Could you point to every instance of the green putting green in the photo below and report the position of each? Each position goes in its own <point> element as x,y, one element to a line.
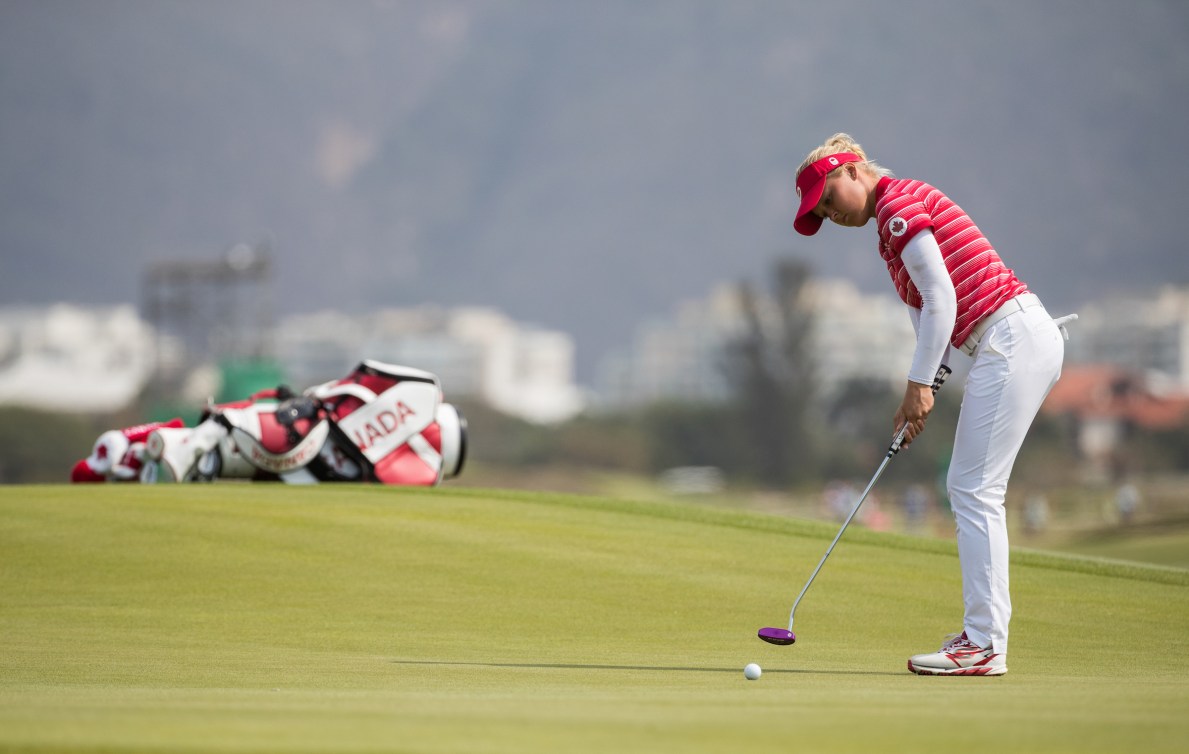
<point>267,618</point>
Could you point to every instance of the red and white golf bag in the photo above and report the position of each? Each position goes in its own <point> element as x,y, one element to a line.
<point>392,422</point>
<point>381,423</point>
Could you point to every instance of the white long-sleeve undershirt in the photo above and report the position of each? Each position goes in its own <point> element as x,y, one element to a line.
<point>934,321</point>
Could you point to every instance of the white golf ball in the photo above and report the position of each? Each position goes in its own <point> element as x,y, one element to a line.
<point>752,671</point>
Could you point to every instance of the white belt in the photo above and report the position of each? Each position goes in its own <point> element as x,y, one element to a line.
<point>1017,304</point>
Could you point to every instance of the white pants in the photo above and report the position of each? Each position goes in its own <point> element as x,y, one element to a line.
<point>1015,365</point>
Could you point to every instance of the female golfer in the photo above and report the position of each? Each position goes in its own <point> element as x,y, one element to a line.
<point>959,294</point>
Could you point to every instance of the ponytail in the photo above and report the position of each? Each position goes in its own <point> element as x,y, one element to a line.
<point>842,142</point>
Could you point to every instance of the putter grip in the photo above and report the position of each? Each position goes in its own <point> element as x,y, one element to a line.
<point>943,372</point>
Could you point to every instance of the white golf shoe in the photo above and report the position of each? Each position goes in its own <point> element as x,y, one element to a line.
<point>959,656</point>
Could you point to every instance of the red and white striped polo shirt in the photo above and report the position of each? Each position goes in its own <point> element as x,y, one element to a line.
<point>982,282</point>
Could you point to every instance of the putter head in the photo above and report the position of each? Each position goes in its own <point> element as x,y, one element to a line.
<point>780,636</point>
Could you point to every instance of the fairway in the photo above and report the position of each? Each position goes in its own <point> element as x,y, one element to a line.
<point>268,618</point>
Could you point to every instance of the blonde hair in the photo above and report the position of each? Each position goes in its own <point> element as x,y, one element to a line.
<point>841,142</point>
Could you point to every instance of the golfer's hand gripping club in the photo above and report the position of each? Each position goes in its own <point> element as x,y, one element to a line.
<point>942,373</point>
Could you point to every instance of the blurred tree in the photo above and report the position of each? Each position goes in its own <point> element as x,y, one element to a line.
<point>617,443</point>
<point>771,371</point>
<point>684,434</point>
<point>503,440</point>
<point>40,447</point>
<point>1164,449</point>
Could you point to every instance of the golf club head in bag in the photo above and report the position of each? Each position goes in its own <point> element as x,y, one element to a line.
<point>276,437</point>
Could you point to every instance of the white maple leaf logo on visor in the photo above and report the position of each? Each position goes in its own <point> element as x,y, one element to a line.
<point>834,161</point>
<point>897,226</point>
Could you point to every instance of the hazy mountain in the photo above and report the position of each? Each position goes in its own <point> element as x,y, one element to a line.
<point>582,165</point>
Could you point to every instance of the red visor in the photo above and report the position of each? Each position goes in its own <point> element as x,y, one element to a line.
<point>810,184</point>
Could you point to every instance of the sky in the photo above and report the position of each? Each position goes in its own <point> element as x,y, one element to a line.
<point>580,166</point>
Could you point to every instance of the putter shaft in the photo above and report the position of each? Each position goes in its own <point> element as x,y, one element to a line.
<point>846,523</point>
<point>942,372</point>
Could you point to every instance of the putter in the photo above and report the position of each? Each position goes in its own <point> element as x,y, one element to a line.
<point>784,637</point>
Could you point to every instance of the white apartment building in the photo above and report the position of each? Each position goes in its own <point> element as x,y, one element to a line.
<point>67,358</point>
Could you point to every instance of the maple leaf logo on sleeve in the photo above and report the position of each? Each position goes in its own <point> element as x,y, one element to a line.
<point>897,226</point>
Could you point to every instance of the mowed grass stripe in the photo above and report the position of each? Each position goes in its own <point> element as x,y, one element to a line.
<point>270,618</point>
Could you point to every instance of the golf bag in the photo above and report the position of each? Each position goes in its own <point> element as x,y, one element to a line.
<point>381,423</point>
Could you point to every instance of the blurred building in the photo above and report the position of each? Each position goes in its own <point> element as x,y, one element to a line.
<point>853,337</point>
<point>856,336</point>
<point>521,370</point>
<point>1146,332</point>
<point>1126,371</point>
<point>213,310</point>
<point>675,358</point>
<point>859,337</point>
<point>67,358</point>
<point>1105,404</point>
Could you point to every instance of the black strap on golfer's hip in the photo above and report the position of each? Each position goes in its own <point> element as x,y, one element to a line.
<point>938,380</point>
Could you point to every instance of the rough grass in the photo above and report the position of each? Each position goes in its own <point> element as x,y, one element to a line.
<point>255,618</point>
